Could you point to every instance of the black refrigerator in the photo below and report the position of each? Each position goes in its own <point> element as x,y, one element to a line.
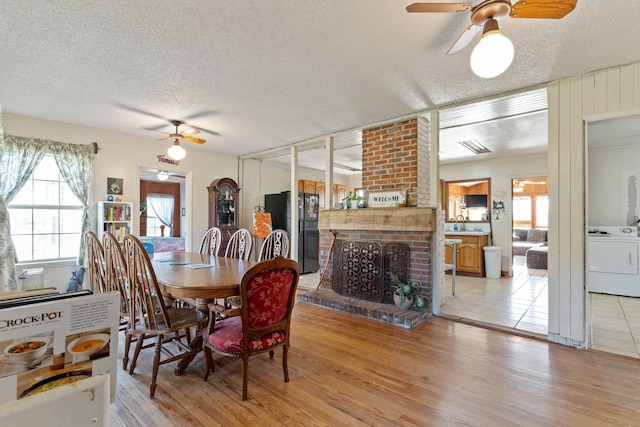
<point>308,234</point>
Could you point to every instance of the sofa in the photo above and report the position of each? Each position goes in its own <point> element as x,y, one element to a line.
<point>533,245</point>
<point>524,239</point>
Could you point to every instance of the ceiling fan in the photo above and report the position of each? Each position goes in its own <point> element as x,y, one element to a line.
<point>176,152</point>
<point>485,17</point>
<point>185,134</point>
<point>520,183</point>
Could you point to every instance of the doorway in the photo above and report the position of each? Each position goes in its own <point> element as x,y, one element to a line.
<point>613,203</point>
<point>163,210</point>
<point>530,221</point>
<point>514,144</point>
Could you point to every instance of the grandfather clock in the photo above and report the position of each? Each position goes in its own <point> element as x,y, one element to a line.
<point>224,208</point>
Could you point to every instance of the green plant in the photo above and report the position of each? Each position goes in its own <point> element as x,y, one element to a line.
<point>408,291</point>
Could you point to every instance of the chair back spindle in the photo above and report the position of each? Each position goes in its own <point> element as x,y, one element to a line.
<point>211,241</point>
<point>275,244</point>
<point>239,245</point>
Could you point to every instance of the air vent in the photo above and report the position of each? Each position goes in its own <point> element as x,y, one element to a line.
<point>474,146</point>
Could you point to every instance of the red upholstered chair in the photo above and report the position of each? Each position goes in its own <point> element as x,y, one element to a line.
<point>262,323</point>
<point>150,317</point>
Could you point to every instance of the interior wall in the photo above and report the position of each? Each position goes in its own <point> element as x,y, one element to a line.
<point>501,171</point>
<point>614,185</point>
<point>598,95</point>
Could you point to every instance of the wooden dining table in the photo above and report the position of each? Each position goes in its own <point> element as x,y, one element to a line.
<point>198,279</point>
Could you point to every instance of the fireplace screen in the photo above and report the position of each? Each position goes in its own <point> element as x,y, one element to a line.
<point>362,269</point>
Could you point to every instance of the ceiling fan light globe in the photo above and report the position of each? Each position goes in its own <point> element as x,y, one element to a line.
<point>162,175</point>
<point>492,56</point>
<point>176,152</point>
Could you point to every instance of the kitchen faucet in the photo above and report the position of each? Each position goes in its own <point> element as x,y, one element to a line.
<point>461,227</point>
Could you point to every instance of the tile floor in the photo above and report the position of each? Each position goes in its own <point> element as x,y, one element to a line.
<point>519,302</point>
<point>615,324</point>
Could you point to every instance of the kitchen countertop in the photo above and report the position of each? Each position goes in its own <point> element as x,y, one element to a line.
<point>466,233</point>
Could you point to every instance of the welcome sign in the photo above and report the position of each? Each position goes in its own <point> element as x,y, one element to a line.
<point>387,199</point>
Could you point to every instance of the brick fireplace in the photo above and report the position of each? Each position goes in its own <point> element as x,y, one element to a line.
<point>412,228</point>
<point>396,156</point>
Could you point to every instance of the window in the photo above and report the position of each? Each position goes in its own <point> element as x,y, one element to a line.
<point>46,218</point>
<point>159,206</point>
<point>531,211</point>
<point>522,210</point>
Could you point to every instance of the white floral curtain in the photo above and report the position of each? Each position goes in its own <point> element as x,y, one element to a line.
<point>76,167</point>
<point>162,205</point>
<point>8,279</point>
<point>21,156</point>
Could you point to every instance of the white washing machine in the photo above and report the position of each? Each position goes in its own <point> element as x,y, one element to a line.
<point>613,260</point>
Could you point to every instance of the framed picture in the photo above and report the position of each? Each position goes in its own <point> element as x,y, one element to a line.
<point>114,186</point>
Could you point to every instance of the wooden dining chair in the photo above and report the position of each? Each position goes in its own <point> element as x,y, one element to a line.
<point>95,262</point>
<point>150,317</point>
<point>211,241</point>
<point>116,277</point>
<point>274,245</point>
<point>262,323</point>
<point>240,245</point>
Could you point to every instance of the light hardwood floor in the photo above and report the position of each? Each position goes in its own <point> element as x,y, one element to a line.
<point>347,370</point>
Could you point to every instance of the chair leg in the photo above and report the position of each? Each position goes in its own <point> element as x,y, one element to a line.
<point>125,357</point>
<point>245,375</point>
<point>136,352</point>
<point>208,358</point>
<point>156,364</point>
<point>285,369</point>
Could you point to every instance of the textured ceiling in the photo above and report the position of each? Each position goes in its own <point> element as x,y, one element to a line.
<point>262,74</point>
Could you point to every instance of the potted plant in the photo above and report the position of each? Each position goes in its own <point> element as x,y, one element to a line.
<point>406,295</point>
<point>351,201</point>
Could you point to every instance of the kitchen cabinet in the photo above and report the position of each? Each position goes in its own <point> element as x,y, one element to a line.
<point>318,187</point>
<point>339,193</point>
<point>469,256</point>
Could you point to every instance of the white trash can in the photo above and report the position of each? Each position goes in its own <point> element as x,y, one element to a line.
<point>493,261</point>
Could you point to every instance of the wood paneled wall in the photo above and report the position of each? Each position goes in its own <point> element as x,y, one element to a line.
<point>603,94</point>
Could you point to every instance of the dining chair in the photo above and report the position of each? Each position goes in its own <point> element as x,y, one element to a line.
<point>262,323</point>
<point>150,317</point>
<point>274,245</point>
<point>211,241</point>
<point>240,245</point>
<point>95,262</point>
<point>116,278</point>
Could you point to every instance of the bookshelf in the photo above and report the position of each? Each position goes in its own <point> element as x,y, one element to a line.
<point>116,218</point>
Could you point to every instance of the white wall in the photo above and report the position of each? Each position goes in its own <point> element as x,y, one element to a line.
<point>501,171</point>
<point>121,157</point>
<point>614,185</point>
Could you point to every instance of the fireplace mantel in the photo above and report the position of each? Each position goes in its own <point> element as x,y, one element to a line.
<point>379,219</point>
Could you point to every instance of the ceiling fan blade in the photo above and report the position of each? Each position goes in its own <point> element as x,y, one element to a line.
<point>192,131</point>
<point>542,9</point>
<point>438,7</point>
<point>465,38</point>
<point>194,139</point>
